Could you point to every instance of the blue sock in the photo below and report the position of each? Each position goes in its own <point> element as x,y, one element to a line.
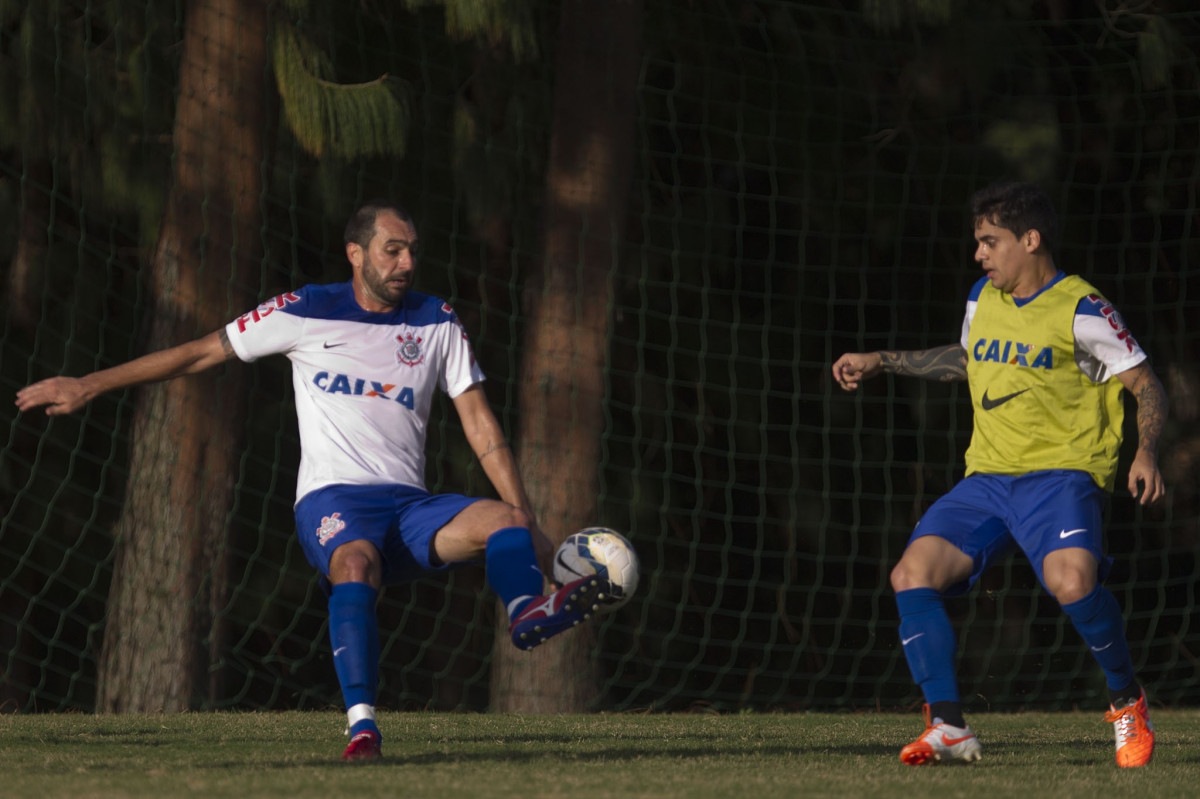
<point>929,643</point>
<point>512,568</point>
<point>1097,617</point>
<point>354,633</point>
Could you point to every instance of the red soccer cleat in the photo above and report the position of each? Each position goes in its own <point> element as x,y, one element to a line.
<point>364,746</point>
<point>546,617</point>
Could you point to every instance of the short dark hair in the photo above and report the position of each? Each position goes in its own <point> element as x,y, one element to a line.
<point>361,227</point>
<point>1019,207</point>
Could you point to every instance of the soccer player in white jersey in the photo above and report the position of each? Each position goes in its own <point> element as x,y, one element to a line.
<point>1046,359</point>
<point>367,358</point>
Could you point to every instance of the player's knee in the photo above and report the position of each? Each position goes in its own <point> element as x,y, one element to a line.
<point>925,571</point>
<point>1070,586</point>
<point>354,564</point>
<point>502,516</point>
<point>509,516</point>
<point>904,577</point>
<point>1069,575</point>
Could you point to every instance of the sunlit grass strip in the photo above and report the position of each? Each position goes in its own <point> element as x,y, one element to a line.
<point>295,754</point>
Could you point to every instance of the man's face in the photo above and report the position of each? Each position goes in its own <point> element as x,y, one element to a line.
<point>385,267</point>
<point>1004,257</point>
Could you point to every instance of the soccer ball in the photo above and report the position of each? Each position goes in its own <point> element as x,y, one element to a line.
<point>599,550</point>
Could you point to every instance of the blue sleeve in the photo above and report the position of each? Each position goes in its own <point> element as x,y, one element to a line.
<point>977,289</point>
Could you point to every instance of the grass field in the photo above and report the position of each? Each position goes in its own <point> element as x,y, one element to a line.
<point>450,755</point>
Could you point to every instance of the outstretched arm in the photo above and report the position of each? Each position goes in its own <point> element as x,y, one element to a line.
<point>62,395</point>
<point>1151,398</point>
<point>940,363</point>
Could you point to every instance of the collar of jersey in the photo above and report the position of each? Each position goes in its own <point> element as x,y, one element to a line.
<point>1023,301</point>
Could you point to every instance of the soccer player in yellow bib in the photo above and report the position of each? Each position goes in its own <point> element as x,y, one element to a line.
<point>1046,358</point>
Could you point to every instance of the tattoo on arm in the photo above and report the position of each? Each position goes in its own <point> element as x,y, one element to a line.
<point>226,345</point>
<point>943,364</point>
<point>493,447</point>
<point>1151,412</point>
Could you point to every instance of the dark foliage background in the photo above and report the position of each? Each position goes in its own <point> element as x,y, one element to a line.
<point>801,175</point>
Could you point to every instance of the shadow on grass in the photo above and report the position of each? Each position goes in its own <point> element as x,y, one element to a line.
<point>509,755</point>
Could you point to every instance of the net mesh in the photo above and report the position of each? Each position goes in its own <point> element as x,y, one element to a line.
<point>799,191</point>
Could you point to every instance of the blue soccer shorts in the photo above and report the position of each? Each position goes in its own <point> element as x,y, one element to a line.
<point>400,521</point>
<point>990,516</point>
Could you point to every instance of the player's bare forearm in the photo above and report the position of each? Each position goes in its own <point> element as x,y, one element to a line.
<point>1145,479</point>
<point>62,395</point>
<point>943,364</point>
<point>185,359</point>
<point>500,466</point>
<point>1147,389</point>
<point>1151,411</point>
<point>487,440</point>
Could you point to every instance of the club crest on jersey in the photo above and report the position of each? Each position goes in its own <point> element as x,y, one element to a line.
<point>410,352</point>
<point>330,526</point>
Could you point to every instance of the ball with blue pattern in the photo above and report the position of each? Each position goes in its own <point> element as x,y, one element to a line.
<point>602,551</point>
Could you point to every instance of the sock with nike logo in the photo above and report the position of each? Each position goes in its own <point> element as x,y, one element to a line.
<point>354,633</point>
<point>1097,618</point>
<point>929,643</point>
<point>512,568</point>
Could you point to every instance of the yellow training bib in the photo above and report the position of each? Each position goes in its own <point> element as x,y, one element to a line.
<point>1034,408</point>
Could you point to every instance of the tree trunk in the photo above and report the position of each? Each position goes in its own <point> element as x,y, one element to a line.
<point>562,375</point>
<point>28,264</point>
<point>162,638</point>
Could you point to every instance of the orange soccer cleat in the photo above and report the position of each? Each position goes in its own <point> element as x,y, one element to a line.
<point>942,743</point>
<point>1135,733</point>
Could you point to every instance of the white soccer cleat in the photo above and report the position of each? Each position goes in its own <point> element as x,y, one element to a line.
<point>942,743</point>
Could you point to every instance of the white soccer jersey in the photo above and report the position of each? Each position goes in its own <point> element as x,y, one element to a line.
<point>364,381</point>
<point>1104,347</point>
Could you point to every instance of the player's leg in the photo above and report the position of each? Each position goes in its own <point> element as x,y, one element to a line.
<point>1064,541</point>
<point>1070,575</point>
<point>341,530</point>
<point>502,534</point>
<point>955,541</point>
<point>929,566</point>
<point>355,570</point>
